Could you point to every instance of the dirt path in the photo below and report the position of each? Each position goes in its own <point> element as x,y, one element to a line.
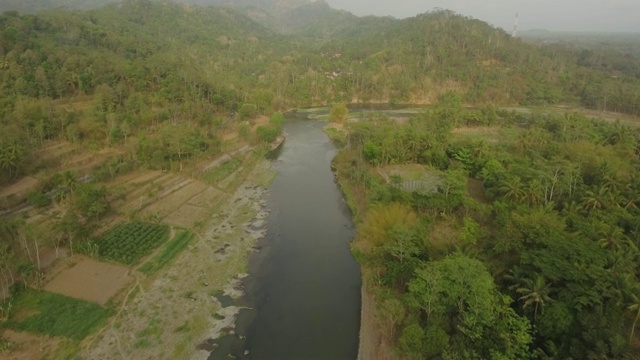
<point>166,316</point>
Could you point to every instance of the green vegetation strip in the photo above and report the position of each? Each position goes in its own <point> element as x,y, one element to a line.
<point>128,243</point>
<point>338,136</point>
<point>223,171</point>
<point>171,249</point>
<point>51,314</point>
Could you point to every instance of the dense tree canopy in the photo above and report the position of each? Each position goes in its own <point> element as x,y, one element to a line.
<point>530,229</point>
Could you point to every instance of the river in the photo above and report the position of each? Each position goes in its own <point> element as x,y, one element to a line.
<point>305,284</point>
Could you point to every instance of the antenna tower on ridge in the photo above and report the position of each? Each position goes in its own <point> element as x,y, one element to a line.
<point>515,27</point>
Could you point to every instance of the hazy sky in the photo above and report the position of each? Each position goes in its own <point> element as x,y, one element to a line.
<point>578,15</point>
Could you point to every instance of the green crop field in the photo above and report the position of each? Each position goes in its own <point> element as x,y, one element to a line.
<point>128,243</point>
<point>171,249</point>
<point>47,313</point>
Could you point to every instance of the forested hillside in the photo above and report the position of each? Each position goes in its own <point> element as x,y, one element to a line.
<point>516,234</point>
<point>138,66</point>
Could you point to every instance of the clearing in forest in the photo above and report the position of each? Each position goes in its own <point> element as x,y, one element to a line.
<point>412,177</point>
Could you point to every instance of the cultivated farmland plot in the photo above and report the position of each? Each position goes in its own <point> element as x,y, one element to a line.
<point>128,243</point>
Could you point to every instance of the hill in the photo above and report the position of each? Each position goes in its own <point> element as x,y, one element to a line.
<point>168,87</point>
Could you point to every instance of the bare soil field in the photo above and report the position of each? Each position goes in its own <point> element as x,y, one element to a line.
<point>90,280</point>
<point>168,204</point>
<point>196,210</point>
<point>137,178</point>
<point>55,150</point>
<point>28,346</point>
<point>14,194</point>
<point>187,216</point>
<point>19,188</point>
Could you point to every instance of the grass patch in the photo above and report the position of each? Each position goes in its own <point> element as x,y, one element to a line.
<point>339,137</point>
<point>170,250</point>
<point>67,349</point>
<point>128,243</point>
<point>43,312</point>
<point>191,330</point>
<point>223,171</point>
<point>153,331</point>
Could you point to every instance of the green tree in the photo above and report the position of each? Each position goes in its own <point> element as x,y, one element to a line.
<point>460,292</point>
<point>339,113</point>
<point>534,293</point>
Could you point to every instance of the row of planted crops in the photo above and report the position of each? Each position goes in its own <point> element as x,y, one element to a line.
<point>128,243</point>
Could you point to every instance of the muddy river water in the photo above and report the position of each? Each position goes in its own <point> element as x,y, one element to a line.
<point>305,284</point>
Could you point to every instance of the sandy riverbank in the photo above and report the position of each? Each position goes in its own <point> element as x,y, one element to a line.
<point>373,344</point>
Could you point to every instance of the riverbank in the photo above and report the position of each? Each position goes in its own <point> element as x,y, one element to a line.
<point>374,344</point>
<point>167,316</point>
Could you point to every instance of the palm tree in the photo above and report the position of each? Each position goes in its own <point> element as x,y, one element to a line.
<point>610,184</point>
<point>10,157</point>
<point>535,293</point>
<point>595,200</point>
<point>628,200</point>
<point>512,188</point>
<point>634,308</point>
<point>534,193</point>
<point>611,238</point>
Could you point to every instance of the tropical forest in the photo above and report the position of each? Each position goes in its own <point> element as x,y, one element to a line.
<point>177,178</point>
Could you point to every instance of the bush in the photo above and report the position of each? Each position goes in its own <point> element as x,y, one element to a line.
<point>267,134</point>
<point>38,199</point>
<point>247,111</point>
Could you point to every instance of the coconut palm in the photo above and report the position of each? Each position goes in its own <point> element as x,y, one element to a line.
<point>595,199</point>
<point>634,308</point>
<point>512,188</point>
<point>534,192</point>
<point>535,293</point>
<point>10,157</point>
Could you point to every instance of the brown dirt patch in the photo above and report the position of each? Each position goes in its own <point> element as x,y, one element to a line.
<point>90,280</point>
<point>16,193</point>
<point>19,188</point>
<point>229,135</point>
<point>373,342</point>
<point>476,130</point>
<point>208,198</point>
<point>172,201</point>
<point>443,236</point>
<point>406,171</point>
<point>137,178</point>
<point>84,162</point>
<point>159,183</point>
<point>187,216</point>
<point>28,346</point>
<point>55,150</point>
<point>337,126</point>
<point>197,209</point>
<point>260,120</point>
<point>476,190</point>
